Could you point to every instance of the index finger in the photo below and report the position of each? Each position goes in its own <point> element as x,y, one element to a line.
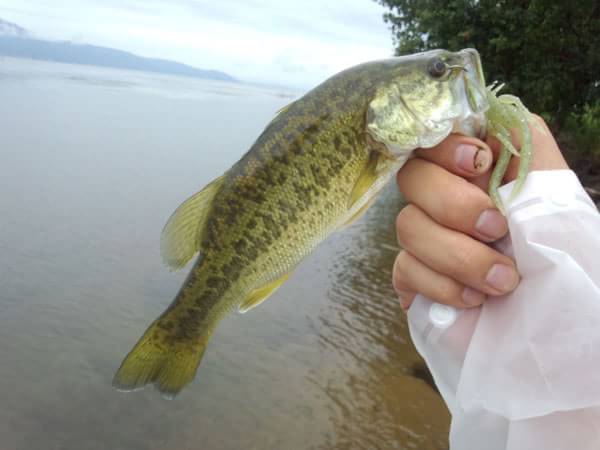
<point>465,156</point>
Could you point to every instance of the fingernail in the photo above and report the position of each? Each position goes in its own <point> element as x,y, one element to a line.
<point>492,224</point>
<point>471,158</point>
<point>482,160</point>
<point>465,157</point>
<point>405,300</point>
<point>502,278</point>
<point>471,297</point>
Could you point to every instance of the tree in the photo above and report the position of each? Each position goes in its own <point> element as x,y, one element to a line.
<point>547,51</point>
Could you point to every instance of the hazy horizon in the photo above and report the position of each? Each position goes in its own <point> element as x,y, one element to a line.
<point>260,41</point>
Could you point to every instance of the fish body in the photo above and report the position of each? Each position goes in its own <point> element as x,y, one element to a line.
<point>316,167</point>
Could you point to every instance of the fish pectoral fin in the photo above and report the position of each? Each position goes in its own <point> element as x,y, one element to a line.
<point>261,294</point>
<point>180,238</point>
<point>365,181</point>
<point>358,214</point>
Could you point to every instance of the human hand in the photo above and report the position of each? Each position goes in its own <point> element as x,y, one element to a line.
<point>445,227</point>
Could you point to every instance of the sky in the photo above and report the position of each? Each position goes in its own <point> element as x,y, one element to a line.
<point>286,42</point>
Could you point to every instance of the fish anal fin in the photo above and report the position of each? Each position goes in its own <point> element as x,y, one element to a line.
<point>180,238</point>
<point>260,294</point>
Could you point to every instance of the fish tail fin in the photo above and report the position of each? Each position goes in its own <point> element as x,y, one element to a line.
<point>160,357</point>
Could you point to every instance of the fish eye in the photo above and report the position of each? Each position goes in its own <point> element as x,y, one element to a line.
<point>437,68</point>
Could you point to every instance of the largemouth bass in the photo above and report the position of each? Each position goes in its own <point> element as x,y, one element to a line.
<point>314,169</point>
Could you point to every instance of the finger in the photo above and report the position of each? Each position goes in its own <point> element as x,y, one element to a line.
<point>412,275</point>
<point>451,200</point>
<point>455,254</point>
<point>462,155</point>
<point>482,181</point>
<point>406,298</point>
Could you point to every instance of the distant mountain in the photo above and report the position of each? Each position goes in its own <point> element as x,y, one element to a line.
<point>16,42</point>
<point>12,29</point>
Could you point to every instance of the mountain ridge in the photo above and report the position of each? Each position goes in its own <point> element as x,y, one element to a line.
<point>12,29</point>
<point>17,42</point>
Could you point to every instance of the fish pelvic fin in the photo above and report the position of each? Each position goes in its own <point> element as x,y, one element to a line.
<point>161,358</point>
<point>181,236</point>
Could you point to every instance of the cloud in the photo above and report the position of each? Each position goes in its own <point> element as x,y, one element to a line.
<point>287,42</point>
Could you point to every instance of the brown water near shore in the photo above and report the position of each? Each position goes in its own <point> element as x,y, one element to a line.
<point>93,163</point>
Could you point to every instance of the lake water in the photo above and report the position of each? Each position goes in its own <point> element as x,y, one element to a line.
<point>92,163</point>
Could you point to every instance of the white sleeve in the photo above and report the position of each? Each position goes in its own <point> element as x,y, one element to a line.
<point>522,372</point>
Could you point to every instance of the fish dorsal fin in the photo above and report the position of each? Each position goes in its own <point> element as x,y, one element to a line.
<point>283,109</point>
<point>261,294</point>
<point>180,238</point>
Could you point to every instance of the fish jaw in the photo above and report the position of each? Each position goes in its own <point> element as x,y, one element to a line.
<point>472,97</point>
<point>415,111</point>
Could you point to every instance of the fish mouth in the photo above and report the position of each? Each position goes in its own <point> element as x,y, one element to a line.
<point>473,65</point>
<point>472,96</point>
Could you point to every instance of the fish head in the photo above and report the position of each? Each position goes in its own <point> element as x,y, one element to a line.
<point>425,97</point>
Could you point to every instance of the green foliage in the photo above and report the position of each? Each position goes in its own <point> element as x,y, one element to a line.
<point>582,130</point>
<point>547,51</point>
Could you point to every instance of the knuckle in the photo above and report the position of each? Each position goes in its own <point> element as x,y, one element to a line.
<point>404,174</point>
<point>400,175</point>
<point>447,293</point>
<point>461,205</point>
<point>405,217</point>
<point>463,259</point>
<point>399,271</point>
<point>405,222</point>
<point>539,119</point>
<point>453,208</point>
